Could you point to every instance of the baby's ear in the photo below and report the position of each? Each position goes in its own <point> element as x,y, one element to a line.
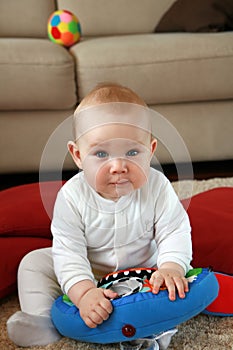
<point>75,153</point>
<point>153,146</point>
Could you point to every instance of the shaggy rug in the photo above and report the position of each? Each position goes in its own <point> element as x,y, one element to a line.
<point>200,333</point>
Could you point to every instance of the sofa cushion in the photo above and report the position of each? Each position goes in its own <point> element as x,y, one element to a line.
<point>161,68</point>
<point>25,18</point>
<point>33,138</point>
<point>24,212</point>
<point>37,74</point>
<point>211,218</point>
<point>120,17</point>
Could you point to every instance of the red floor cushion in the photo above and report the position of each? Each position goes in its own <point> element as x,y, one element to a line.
<point>24,212</point>
<point>211,218</point>
<point>24,226</point>
<point>12,250</point>
<point>25,220</point>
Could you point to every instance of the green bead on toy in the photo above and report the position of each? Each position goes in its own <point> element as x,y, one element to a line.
<point>64,28</point>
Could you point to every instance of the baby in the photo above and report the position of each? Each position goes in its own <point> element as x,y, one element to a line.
<point>115,214</point>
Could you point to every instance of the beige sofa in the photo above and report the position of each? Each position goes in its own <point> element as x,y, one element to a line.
<point>187,77</point>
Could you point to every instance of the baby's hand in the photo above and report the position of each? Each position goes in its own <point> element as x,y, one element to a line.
<point>95,306</point>
<point>173,279</point>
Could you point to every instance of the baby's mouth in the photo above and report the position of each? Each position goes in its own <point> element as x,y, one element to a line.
<point>120,182</point>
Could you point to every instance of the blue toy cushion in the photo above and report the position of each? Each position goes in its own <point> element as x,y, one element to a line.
<point>141,313</point>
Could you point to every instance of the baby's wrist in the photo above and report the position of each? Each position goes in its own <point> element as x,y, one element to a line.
<point>79,290</point>
<point>84,295</point>
<point>172,266</point>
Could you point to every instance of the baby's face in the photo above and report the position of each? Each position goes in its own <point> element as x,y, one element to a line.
<point>116,158</point>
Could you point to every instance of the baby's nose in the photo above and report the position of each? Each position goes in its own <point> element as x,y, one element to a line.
<point>118,166</point>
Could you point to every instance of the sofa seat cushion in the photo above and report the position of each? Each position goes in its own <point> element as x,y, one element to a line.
<point>35,74</point>
<point>162,68</point>
<point>35,136</point>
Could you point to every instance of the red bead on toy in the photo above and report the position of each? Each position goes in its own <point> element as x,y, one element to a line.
<point>128,330</point>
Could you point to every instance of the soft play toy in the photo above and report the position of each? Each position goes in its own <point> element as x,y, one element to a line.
<point>64,28</point>
<point>137,312</point>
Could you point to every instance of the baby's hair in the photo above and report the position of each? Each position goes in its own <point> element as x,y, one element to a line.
<point>109,92</point>
<point>106,93</point>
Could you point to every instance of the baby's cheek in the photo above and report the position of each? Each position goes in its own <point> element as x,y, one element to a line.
<point>140,173</point>
<point>93,170</point>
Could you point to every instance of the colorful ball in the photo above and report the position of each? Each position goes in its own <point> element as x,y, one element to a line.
<point>64,28</point>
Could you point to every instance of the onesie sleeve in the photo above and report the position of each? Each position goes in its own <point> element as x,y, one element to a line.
<point>172,229</point>
<point>69,247</point>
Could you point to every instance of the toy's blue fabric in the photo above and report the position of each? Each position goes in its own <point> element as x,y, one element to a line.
<point>139,314</point>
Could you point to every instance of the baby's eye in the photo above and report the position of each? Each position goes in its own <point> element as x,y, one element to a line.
<point>132,153</point>
<point>101,154</point>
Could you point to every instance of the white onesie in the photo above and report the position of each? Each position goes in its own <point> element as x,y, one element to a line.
<point>93,236</point>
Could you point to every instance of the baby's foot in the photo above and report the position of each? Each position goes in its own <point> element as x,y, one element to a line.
<point>164,338</point>
<point>154,342</point>
<point>140,344</point>
<point>29,330</point>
